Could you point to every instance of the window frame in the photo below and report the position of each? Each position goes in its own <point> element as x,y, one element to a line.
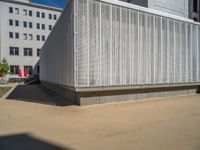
<point>10,22</point>
<point>11,10</point>
<point>11,35</point>
<point>28,51</point>
<point>14,51</point>
<point>14,69</point>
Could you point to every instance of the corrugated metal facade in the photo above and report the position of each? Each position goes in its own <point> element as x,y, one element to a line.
<point>119,46</point>
<point>57,54</point>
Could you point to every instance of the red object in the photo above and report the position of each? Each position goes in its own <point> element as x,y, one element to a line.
<point>20,73</point>
<point>25,73</point>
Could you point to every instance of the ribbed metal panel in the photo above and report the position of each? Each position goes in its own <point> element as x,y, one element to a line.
<point>57,54</point>
<point>122,46</point>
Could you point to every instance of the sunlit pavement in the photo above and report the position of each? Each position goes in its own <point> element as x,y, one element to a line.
<point>160,124</point>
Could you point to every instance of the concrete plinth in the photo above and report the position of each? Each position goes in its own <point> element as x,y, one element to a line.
<point>99,95</point>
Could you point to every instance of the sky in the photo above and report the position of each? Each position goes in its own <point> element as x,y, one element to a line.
<point>54,3</point>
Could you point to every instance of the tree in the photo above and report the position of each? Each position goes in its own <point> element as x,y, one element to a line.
<point>4,67</point>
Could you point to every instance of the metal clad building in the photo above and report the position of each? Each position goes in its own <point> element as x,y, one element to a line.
<point>105,43</point>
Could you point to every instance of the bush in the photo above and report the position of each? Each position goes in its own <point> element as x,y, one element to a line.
<point>4,67</point>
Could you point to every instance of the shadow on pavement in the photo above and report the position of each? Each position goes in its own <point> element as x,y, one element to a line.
<point>37,94</point>
<point>26,142</point>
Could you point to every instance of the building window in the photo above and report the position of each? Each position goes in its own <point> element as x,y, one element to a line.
<point>38,38</point>
<point>30,13</point>
<point>14,69</point>
<point>38,69</point>
<point>17,35</point>
<point>50,16</point>
<point>38,52</point>
<point>16,23</point>
<point>30,37</point>
<point>14,51</point>
<point>25,24</point>
<point>29,69</point>
<point>28,51</point>
<point>54,17</point>
<point>10,22</point>
<point>43,26</point>
<point>11,35</point>
<point>25,36</point>
<point>50,27</point>
<point>30,25</point>
<point>43,15</point>
<point>17,11</point>
<point>195,6</point>
<point>38,14</point>
<point>43,38</point>
<point>10,10</point>
<point>25,12</point>
<point>38,26</point>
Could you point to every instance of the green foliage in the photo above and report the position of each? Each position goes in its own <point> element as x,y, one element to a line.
<point>4,67</point>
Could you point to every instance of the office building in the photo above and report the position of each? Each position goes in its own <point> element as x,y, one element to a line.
<point>24,27</point>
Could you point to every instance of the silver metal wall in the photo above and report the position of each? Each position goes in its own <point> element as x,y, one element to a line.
<point>57,54</point>
<point>121,46</point>
<point>99,43</point>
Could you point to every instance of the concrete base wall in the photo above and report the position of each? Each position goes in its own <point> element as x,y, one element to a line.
<point>91,96</point>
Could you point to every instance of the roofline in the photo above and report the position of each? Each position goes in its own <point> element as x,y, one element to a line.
<point>33,5</point>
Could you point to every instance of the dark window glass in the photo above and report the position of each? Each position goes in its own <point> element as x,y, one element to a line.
<point>30,25</point>
<point>43,38</point>
<point>17,35</point>
<point>38,69</point>
<point>25,24</point>
<point>50,27</point>
<point>29,69</point>
<point>43,15</point>
<point>14,51</point>
<point>30,12</point>
<point>38,26</point>
<point>50,16</point>
<point>14,69</point>
<point>54,17</point>
<point>38,52</point>
<point>195,7</point>
<point>10,10</point>
<point>10,22</point>
<point>16,23</point>
<point>28,51</point>
<point>38,38</point>
<point>38,14</point>
<point>43,26</point>
<point>10,34</point>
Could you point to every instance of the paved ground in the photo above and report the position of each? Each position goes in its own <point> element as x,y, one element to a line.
<point>164,124</point>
